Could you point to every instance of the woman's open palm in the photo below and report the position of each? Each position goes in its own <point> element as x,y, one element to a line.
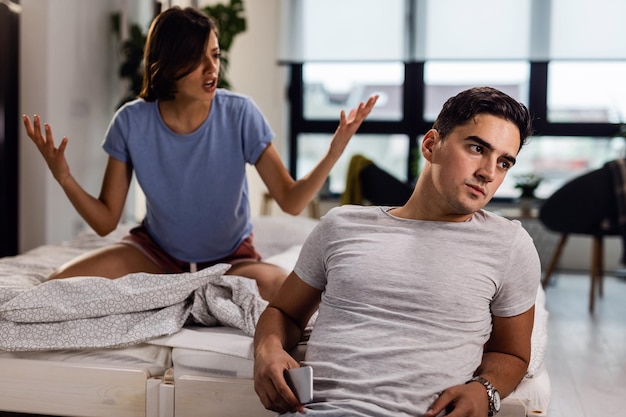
<point>350,124</point>
<point>55,157</point>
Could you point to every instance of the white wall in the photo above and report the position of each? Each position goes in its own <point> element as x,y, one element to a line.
<point>68,69</point>
<point>254,71</point>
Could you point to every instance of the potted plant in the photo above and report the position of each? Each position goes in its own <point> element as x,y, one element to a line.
<point>132,51</point>
<point>229,19</point>
<point>528,183</point>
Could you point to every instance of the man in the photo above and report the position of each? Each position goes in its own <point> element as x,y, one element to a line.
<point>425,309</point>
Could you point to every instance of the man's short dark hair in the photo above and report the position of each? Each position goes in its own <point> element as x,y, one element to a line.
<point>467,104</point>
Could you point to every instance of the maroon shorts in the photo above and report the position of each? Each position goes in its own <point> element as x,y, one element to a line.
<point>140,238</point>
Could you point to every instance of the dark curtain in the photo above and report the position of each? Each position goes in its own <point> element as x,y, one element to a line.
<point>9,124</point>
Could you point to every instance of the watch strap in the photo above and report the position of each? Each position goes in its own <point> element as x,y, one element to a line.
<point>491,393</point>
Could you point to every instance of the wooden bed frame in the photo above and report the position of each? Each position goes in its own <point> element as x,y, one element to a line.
<point>58,388</point>
<point>81,390</point>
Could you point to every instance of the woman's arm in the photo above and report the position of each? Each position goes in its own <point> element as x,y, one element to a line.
<point>293,196</point>
<point>102,213</point>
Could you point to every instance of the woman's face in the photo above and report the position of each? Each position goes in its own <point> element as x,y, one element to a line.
<point>201,83</point>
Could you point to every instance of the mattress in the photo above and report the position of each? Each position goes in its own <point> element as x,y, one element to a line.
<point>209,351</point>
<point>153,358</point>
<point>194,362</point>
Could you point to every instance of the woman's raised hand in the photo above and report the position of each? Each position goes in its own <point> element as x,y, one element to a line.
<point>55,157</point>
<point>350,124</point>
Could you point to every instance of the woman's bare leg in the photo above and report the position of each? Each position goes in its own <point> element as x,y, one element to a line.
<point>268,277</point>
<point>119,259</point>
<point>113,261</point>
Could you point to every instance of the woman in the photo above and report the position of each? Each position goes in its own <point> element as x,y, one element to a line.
<point>187,143</point>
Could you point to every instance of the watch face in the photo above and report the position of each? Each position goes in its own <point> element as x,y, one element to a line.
<point>496,400</point>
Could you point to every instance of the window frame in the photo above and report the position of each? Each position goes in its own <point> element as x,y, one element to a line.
<point>414,126</point>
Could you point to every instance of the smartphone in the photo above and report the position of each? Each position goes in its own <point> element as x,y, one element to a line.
<point>300,380</point>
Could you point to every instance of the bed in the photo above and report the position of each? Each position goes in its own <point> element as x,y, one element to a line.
<point>177,369</point>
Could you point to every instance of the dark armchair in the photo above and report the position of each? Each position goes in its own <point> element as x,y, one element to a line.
<point>586,205</point>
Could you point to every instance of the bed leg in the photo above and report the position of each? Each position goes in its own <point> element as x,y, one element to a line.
<point>152,397</point>
<point>166,394</point>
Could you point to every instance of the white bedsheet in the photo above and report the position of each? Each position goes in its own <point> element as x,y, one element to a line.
<point>222,340</point>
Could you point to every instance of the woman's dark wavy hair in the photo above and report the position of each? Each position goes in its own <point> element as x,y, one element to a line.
<point>483,100</point>
<point>175,45</point>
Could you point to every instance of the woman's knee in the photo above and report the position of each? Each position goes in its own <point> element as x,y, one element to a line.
<point>268,277</point>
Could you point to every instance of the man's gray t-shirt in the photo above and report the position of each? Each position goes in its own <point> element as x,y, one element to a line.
<point>406,305</point>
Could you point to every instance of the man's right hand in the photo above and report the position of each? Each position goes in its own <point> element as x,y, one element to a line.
<point>269,380</point>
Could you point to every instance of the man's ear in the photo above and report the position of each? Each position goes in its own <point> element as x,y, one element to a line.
<point>428,143</point>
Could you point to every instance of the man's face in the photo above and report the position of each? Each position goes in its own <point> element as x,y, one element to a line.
<point>469,165</point>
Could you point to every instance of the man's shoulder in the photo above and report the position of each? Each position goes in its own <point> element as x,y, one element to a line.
<point>353,211</point>
<point>490,217</point>
<point>497,224</point>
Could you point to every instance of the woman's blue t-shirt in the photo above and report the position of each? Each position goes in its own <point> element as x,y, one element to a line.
<point>195,184</point>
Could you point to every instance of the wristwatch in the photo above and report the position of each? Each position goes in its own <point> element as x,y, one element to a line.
<point>492,393</point>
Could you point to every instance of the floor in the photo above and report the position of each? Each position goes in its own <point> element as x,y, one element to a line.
<point>586,356</point>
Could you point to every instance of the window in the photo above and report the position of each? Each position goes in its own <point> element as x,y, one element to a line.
<point>589,30</point>
<point>389,152</point>
<point>443,79</point>
<point>588,92</point>
<point>332,87</point>
<point>560,159</point>
<point>417,53</point>
<point>496,29</point>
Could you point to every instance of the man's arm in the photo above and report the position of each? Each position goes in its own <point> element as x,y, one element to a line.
<point>504,364</point>
<point>507,353</point>
<point>279,329</point>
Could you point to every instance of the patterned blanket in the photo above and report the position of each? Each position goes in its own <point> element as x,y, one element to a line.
<point>94,312</point>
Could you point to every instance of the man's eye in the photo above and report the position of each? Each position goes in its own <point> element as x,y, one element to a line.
<point>476,148</point>
<point>505,165</point>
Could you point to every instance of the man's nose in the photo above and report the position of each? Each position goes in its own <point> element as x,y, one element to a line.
<point>487,170</point>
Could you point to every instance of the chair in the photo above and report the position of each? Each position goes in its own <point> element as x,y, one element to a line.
<point>368,183</point>
<point>586,205</point>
